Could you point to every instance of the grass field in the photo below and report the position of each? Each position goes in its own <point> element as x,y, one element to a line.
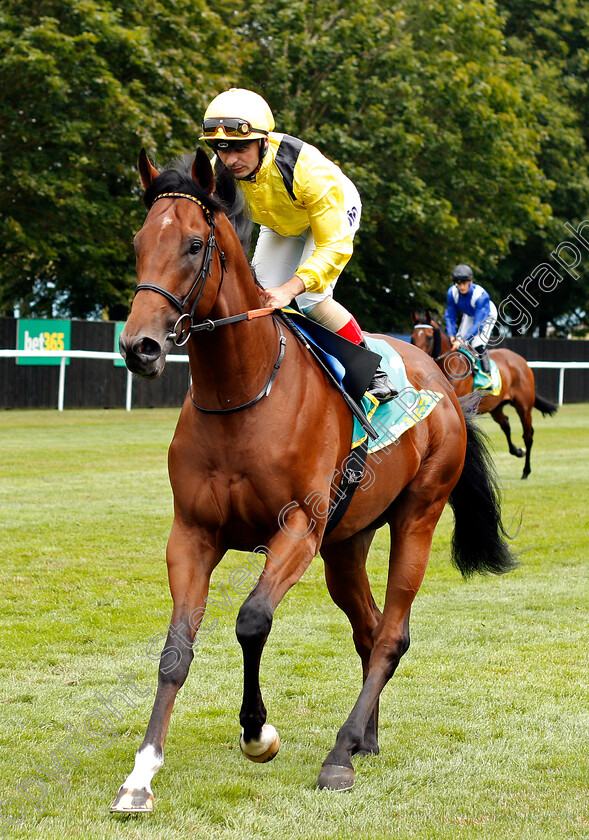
<point>484,727</point>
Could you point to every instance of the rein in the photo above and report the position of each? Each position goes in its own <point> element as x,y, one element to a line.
<point>265,390</point>
<point>435,354</point>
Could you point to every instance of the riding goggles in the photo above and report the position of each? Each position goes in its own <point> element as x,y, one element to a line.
<point>217,127</point>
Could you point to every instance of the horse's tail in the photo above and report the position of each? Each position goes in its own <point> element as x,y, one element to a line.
<point>479,541</point>
<point>544,406</point>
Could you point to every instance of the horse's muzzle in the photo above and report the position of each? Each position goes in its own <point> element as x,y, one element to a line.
<point>143,356</point>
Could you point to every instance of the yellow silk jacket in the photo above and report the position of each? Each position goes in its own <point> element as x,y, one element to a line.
<point>305,192</point>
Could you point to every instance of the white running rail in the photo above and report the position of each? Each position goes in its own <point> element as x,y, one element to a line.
<point>96,354</point>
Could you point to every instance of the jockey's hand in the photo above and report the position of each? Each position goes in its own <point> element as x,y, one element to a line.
<point>455,343</point>
<point>279,296</point>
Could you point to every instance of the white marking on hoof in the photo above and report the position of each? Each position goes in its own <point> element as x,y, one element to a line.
<point>263,750</point>
<point>135,793</point>
<point>133,801</point>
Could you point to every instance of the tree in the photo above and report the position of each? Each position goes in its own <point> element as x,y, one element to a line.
<point>84,85</point>
<point>430,117</point>
<point>463,129</point>
<point>553,39</point>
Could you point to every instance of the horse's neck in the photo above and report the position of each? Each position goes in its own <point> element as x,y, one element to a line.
<point>230,362</point>
<point>441,347</point>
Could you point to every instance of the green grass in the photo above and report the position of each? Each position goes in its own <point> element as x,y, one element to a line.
<point>484,727</point>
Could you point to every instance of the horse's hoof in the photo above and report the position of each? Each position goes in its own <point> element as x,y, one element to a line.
<point>335,777</point>
<point>133,801</point>
<point>263,750</point>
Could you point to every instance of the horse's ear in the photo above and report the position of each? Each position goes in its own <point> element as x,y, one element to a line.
<point>414,317</point>
<point>202,171</point>
<point>428,315</point>
<point>147,170</point>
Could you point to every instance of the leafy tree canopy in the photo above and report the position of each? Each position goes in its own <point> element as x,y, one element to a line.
<point>432,117</point>
<point>553,39</point>
<point>84,85</point>
<point>459,121</point>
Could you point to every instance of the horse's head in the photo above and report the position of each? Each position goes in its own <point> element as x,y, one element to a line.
<point>426,333</point>
<point>178,269</point>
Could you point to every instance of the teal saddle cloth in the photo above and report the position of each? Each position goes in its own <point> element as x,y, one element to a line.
<point>481,381</point>
<point>392,419</point>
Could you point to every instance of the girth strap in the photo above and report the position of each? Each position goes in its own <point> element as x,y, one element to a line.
<point>351,478</point>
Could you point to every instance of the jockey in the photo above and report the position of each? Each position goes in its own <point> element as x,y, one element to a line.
<point>479,314</point>
<point>308,212</point>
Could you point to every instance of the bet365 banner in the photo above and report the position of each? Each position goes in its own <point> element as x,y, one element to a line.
<point>42,334</point>
<point>119,327</point>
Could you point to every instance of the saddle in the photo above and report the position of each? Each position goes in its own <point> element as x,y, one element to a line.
<point>353,366</point>
<point>481,381</point>
<point>376,425</point>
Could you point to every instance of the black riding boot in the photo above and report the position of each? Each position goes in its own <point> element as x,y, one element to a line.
<point>484,357</point>
<point>381,387</point>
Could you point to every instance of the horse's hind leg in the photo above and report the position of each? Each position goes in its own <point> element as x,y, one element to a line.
<point>525,415</point>
<point>499,417</point>
<point>412,528</point>
<point>345,574</point>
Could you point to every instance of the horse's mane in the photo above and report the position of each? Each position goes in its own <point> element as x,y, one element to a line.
<point>176,176</point>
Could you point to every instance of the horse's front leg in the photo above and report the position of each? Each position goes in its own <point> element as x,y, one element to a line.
<point>286,560</point>
<point>501,418</point>
<point>191,561</point>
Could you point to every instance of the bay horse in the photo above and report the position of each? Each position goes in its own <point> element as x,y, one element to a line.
<point>517,382</point>
<point>254,464</point>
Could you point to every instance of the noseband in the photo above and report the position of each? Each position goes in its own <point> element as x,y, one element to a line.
<point>185,325</point>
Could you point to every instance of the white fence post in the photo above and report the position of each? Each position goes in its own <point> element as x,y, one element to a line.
<point>61,388</point>
<point>129,397</point>
<point>561,386</point>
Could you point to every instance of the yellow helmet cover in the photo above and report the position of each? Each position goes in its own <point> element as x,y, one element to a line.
<point>237,114</point>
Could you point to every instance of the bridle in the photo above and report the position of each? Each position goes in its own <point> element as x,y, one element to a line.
<point>435,354</point>
<point>437,339</point>
<point>185,325</point>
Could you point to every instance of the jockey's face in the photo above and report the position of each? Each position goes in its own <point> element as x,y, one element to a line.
<point>463,286</point>
<point>241,158</point>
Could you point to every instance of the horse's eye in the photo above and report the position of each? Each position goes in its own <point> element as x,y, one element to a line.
<point>195,246</point>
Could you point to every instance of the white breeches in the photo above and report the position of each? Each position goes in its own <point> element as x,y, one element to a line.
<point>276,258</point>
<point>480,340</point>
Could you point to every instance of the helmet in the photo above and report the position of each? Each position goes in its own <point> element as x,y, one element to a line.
<point>461,273</point>
<point>237,114</point>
